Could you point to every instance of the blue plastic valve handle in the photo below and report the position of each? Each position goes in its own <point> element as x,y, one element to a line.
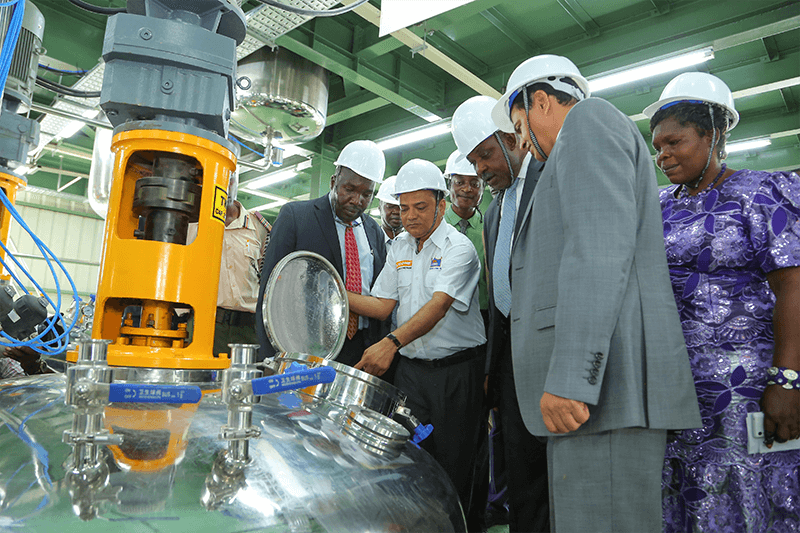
<point>421,432</point>
<point>146,393</point>
<point>293,380</point>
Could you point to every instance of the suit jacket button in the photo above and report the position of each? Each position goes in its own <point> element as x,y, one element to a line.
<point>593,372</point>
<point>599,356</point>
<point>592,380</point>
<point>597,364</point>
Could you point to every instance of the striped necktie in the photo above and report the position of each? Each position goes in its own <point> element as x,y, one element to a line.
<point>502,251</point>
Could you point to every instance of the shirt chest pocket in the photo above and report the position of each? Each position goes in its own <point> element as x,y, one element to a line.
<point>252,252</point>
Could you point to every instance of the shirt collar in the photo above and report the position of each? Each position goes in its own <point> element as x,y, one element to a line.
<point>241,220</point>
<point>453,219</point>
<point>523,169</point>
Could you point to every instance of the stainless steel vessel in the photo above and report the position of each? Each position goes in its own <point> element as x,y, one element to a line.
<point>172,472</point>
<point>281,98</point>
<point>84,452</point>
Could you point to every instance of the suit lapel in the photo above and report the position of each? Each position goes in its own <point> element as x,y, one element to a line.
<point>327,227</point>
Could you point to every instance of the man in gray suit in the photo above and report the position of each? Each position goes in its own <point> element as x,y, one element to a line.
<point>599,358</point>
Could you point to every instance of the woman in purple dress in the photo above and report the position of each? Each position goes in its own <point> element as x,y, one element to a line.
<point>733,246</point>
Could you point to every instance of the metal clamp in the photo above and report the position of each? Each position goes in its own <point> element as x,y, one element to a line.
<point>242,384</point>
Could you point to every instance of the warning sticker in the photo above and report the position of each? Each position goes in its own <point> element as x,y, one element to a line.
<point>220,204</point>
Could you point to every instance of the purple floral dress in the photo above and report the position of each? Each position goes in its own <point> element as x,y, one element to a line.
<point>720,246</point>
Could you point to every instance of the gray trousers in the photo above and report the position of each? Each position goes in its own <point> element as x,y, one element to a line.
<point>606,482</point>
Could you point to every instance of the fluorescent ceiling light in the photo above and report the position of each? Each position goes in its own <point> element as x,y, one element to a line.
<point>743,146</point>
<point>415,135</point>
<point>271,205</point>
<point>270,179</point>
<point>276,177</point>
<point>651,68</point>
<point>262,194</point>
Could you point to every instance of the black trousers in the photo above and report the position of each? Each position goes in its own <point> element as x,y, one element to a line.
<point>451,398</point>
<point>525,456</point>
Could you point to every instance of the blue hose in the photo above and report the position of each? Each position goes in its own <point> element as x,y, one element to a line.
<point>12,36</point>
<point>59,343</point>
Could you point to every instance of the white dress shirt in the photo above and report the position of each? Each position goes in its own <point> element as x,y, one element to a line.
<point>447,263</point>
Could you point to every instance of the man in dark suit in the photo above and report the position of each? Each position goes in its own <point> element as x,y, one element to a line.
<point>502,162</point>
<point>335,227</point>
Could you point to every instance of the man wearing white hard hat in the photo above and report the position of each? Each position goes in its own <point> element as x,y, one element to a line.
<point>334,226</point>
<point>504,162</point>
<point>464,214</point>
<point>391,223</point>
<point>599,359</point>
<point>431,274</point>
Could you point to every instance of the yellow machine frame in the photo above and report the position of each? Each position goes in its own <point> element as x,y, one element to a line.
<point>10,185</point>
<point>162,276</point>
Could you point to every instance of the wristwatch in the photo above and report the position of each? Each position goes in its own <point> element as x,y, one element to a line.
<point>394,339</point>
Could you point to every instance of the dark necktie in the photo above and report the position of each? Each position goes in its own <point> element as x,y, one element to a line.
<point>463,224</point>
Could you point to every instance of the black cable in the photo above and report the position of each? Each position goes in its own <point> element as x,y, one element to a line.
<point>66,91</point>
<point>311,12</point>
<point>97,9</point>
<point>66,72</point>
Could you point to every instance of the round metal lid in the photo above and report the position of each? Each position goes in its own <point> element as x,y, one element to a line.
<point>305,306</point>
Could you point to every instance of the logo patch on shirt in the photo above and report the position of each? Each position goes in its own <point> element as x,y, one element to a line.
<point>404,264</point>
<point>436,263</point>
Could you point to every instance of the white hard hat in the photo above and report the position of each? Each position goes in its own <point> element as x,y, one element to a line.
<point>696,87</point>
<point>458,164</point>
<point>539,69</point>
<point>419,175</point>
<point>472,123</point>
<point>365,159</point>
<point>386,191</point>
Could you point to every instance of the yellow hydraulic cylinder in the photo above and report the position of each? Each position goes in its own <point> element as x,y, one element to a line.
<point>163,279</point>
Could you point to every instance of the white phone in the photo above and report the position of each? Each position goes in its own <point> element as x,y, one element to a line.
<point>755,437</point>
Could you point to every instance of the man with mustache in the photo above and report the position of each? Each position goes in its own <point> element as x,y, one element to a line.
<point>503,162</point>
<point>335,227</point>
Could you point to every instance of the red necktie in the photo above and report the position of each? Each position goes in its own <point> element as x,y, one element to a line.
<point>353,275</point>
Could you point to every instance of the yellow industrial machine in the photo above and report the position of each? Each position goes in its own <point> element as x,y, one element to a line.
<point>165,180</point>
<point>168,90</point>
<point>10,184</point>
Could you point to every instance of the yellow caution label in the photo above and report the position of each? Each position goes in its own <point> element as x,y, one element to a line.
<point>220,204</point>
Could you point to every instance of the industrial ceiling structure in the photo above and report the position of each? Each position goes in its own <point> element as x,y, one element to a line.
<point>414,78</point>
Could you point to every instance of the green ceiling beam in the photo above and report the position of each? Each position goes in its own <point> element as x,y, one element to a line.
<point>353,106</point>
<point>458,53</point>
<point>350,67</point>
<point>581,17</point>
<point>683,29</point>
<point>510,30</point>
<point>379,48</point>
